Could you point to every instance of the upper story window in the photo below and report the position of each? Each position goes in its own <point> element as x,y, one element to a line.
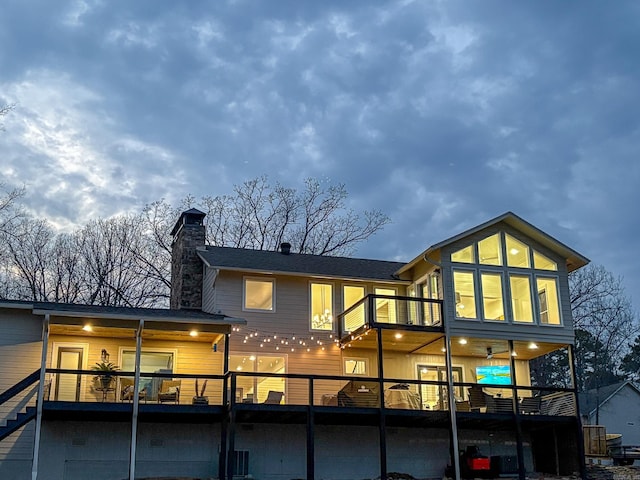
<point>352,294</point>
<point>510,281</point>
<point>321,306</point>
<point>386,309</point>
<point>259,294</point>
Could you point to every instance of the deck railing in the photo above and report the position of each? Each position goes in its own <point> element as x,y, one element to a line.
<point>247,389</point>
<point>374,309</point>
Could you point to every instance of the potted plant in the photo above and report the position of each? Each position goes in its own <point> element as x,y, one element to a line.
<point>104,374</point>
<point>199,398</point>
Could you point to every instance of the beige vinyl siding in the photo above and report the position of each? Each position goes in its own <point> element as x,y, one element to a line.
<point>191,358</point>
<point>290,318</point>
<point>20,354</point>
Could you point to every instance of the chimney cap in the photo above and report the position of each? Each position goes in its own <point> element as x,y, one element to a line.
<point>193,216</point>
<point>285,248</point>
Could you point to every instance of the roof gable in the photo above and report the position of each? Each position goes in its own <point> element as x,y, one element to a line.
<point>574,260</point>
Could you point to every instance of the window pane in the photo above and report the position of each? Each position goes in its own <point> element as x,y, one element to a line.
<point>465,294</point>
<point>492,296</point>
<point>386,307</point>
<point>258,294</point>
<point>490,250</point>
<point>463,256</point>
<point>355,318</point>
<point>321,306</point>
<point>548,301</point>
<point>542,262</point>
<point>355,366</point>
<point>521,299</point>
<point>517,253</point>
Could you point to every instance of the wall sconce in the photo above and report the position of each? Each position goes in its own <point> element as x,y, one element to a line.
<point>104,356</point>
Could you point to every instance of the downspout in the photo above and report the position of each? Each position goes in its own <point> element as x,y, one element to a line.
<point>40,398</point>
<point>136,403</point>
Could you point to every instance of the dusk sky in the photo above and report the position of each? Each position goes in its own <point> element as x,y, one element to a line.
<point>442,114</point>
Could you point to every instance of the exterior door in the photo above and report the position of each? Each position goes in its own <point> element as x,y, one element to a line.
<point>435,397</point>
<point>68,384</point>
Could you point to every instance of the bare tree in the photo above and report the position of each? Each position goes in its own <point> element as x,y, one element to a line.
<point>314,220</point>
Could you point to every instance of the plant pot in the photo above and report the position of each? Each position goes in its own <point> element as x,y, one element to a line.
<point>200,400</point>
<point>105,381</point>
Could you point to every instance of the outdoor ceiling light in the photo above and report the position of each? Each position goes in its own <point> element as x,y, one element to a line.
<point>87,328</point>
<point>533,346</point>
<point>193,333</point>
<point>514,354</point>
<point>398,335</point>
<point>462,341</point>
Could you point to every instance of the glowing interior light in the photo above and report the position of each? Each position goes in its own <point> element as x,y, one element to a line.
<point>252,358</point>
<point>514,251</point>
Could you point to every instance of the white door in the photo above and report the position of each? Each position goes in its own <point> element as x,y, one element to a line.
<point>68,384</point>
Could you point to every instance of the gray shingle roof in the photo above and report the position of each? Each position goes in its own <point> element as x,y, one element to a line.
<point>66,309</point>
<point>589,400</point>
<point>227,258</point>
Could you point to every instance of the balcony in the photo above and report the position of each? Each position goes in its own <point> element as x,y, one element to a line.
<point>385,310</point>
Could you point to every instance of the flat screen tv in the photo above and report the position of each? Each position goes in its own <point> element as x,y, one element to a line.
<point>494,374</point>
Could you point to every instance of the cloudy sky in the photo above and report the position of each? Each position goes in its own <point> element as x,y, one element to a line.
<point>443,114</point>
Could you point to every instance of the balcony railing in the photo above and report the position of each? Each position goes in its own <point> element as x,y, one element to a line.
<point>257,388</point>
<point>374,309</point>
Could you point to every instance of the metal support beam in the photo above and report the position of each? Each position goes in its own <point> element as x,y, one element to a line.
<point>382,421</point>
<point>579,433</point>
<point>229,400</point>
<point>516,409</point>
<point>40,399</point>
<point>311,466</point>
<point>231,442</point>
<point>136,404</point>
<point>455,457</point>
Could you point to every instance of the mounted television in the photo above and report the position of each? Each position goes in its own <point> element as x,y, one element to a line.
<point>494,374</point>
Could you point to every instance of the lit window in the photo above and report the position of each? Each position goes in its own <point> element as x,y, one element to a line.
<point>350,296</point>
<point>517,253</point>
<point>386,307</point>
<point>463,256</point>
<point>356,366</point>
<point>490,250</point>
<point>492,296</point>
<point>321,306</point>
<point>259,294</point>
<point>548,301</point>
<point>465,294</point>
<point>521,298</point>
<point>542,262</point>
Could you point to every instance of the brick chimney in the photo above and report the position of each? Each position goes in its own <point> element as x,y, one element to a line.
<point>186,267</point>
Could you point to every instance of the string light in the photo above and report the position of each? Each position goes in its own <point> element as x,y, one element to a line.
<point>263,339</point>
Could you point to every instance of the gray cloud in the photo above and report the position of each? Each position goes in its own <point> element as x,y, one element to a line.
<point>442,114</point>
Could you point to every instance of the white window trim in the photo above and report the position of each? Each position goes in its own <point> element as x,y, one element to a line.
<point>504,296</point>
<point>476,293</point>
<point>511,315</point>
<point>331,302</point>
<point>355,359</point>
<point>273,294</point>
<point>536,300</point>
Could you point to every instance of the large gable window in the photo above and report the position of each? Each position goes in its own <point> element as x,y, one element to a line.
<point>259,294</point>
<point>508,276</point>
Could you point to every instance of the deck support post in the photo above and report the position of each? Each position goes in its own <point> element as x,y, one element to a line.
<point>311,467</point>
<point>228,400</point>
<point>579,432</point>
<point>453,436</point>
<point>382,420</point>
<point>231,437</point>
<point>43,370</point>
<point>516,409</point>
<point>136,404</point>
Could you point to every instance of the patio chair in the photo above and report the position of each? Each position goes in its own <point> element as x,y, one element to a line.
<point>477,399</point>
<point>274,398</point>
<point>126,390</point>
<point>530,405</point>
<point>169,391</point>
